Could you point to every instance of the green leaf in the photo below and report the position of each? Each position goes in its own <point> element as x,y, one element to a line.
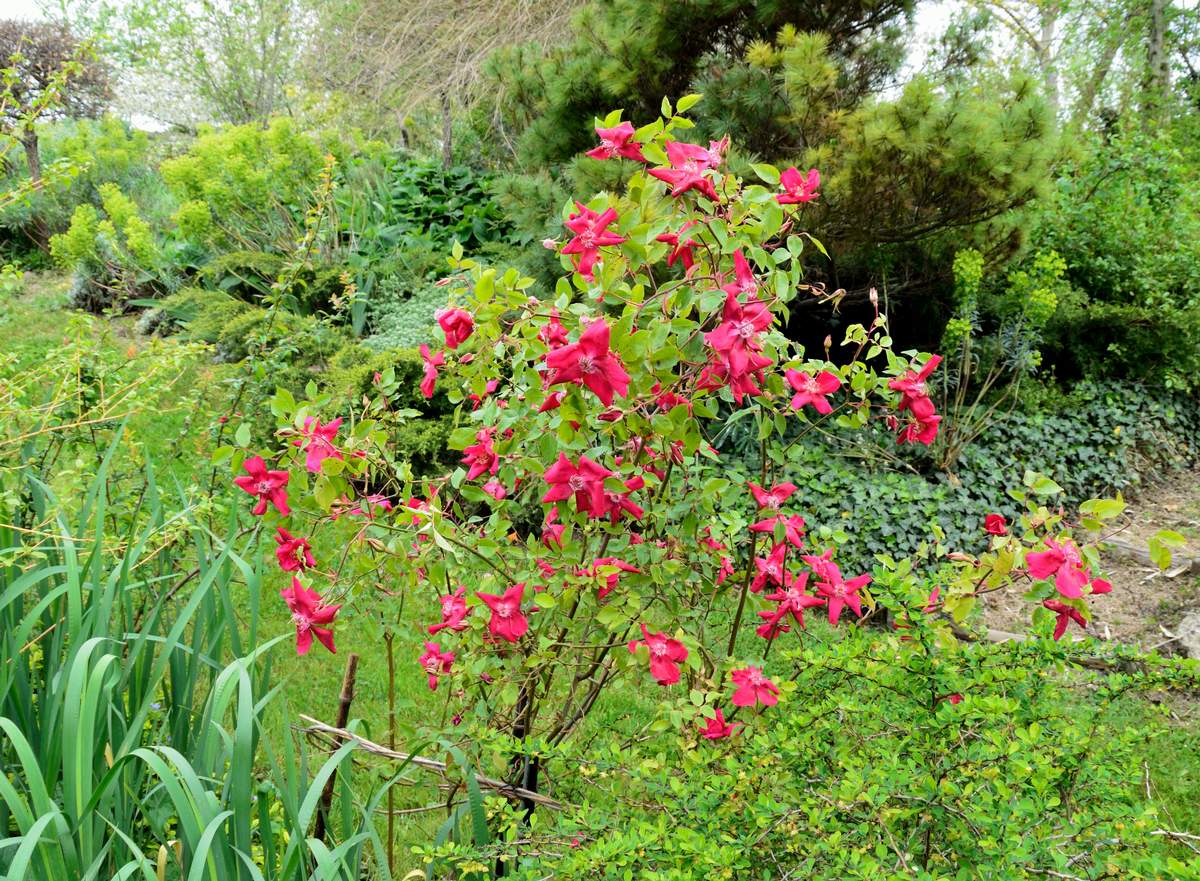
<point>242,435</point>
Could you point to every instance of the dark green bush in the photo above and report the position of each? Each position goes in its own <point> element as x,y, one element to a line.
<point>1099,438</point>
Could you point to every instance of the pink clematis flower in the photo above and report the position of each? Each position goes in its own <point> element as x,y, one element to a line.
<point>813,389</point>
<point>743,282</point>
<point>481,457</point>
<point>682,249</point>
<point>591,363</point>
<point>432,363</point>
<point>770,568</point>
<point>837,591</point>
<point>507,621</point>
<point>793,528</point>
<point>435,663</point>
<point>495,489</point>
<point>620,505</point>
<point>1066,614</point>
<point>269,486</point>
<point>718,373</point>
<point>912,385</point>
<point>736,338</point>
<point>716,728</point>
<point>793,600</point>
<point>317,442</point>
<point>995,524</point>
<point>753,688</point>
<point>294,554</point>
<point>688,163</point>
<point>617,143</point>
<point>666,655</point>
<point>725,571</point>
<point>772,499</point>
<point>552,530</point>
<point>457,324</point>
<point>454,613</point>
<point>310,615</point>
<point>1065,563</point>
<point>612,578</point>
<point>553,334</point>
<point>584,481</point>
<point>591,234</point>
<point>798,187</point>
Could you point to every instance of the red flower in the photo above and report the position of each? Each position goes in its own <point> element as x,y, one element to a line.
<point>585,481</point>
<point>919,430</point>
<point>590,362</point>
<point>995,524</point>
<point>318,442</point>
<point>725,571</point>
<point>553,334</point>
<point>310,615</point>
<point>617,142</point>
<point>1065,563</point>
<point>793,528</point>
<point>269,486</point>
<point>753,688</point>
<point>481,457</point>
<point>736,337</point>
<point>681,248</point>
<point>793,600</point>
<point>506,622</point>
<point>457,324</point>
<point>435,662</point>
<point>666,655</point>
<point>717,728</point>
<point>367,505</point>
<point>770,568</point>
<point>743,282</point>
<point>688,162</point>
<point>839,592</point>
<point>552,531</point>
<point>718,374</point>
<point>813,389</point>
<point>797,187</point>
<point>591,234</point>
<point>489,387</point>
<point>612,578</point>
<point>620,504</point>
<point>495,489</point>
<point>294,554</point>
<point>454,612</point>
<point>1066,614</point>
<point>773,498</point>
<point>912,385</point>
<point>432,363</point>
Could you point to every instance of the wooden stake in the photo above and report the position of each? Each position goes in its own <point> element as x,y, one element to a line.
<point>343,716</point>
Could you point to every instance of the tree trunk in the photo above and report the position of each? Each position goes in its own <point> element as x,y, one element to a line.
<point>1155,88</point>
<point>1091,88</point>
<point>447,133</point>
<point>29,139</point>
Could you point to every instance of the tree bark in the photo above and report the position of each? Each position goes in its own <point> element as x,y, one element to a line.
<point>1155,89</point>
<point>1049,65</point>
<point>29,139</point>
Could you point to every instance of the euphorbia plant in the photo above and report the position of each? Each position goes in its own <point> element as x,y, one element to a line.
<point>589,539</point>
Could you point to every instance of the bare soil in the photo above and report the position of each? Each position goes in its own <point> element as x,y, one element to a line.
<point>1145,605</point>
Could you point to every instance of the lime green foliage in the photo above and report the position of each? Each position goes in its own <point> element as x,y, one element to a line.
<point>1033,290</point>
<point>113,253</point>
<point>246,175</point>
<point>201,314</point>
<point>104,151</point>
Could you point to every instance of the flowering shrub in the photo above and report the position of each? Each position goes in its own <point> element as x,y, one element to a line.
<point>586,540</point>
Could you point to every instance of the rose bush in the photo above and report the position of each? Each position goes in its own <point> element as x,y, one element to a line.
<point>589,538</point>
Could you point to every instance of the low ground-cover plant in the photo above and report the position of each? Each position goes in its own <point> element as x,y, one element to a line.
<point>581,547</point>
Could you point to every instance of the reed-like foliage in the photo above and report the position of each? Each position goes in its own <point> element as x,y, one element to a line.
<point>132,697</point>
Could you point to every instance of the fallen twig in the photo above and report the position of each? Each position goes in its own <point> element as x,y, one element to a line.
<point>500,786</point>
